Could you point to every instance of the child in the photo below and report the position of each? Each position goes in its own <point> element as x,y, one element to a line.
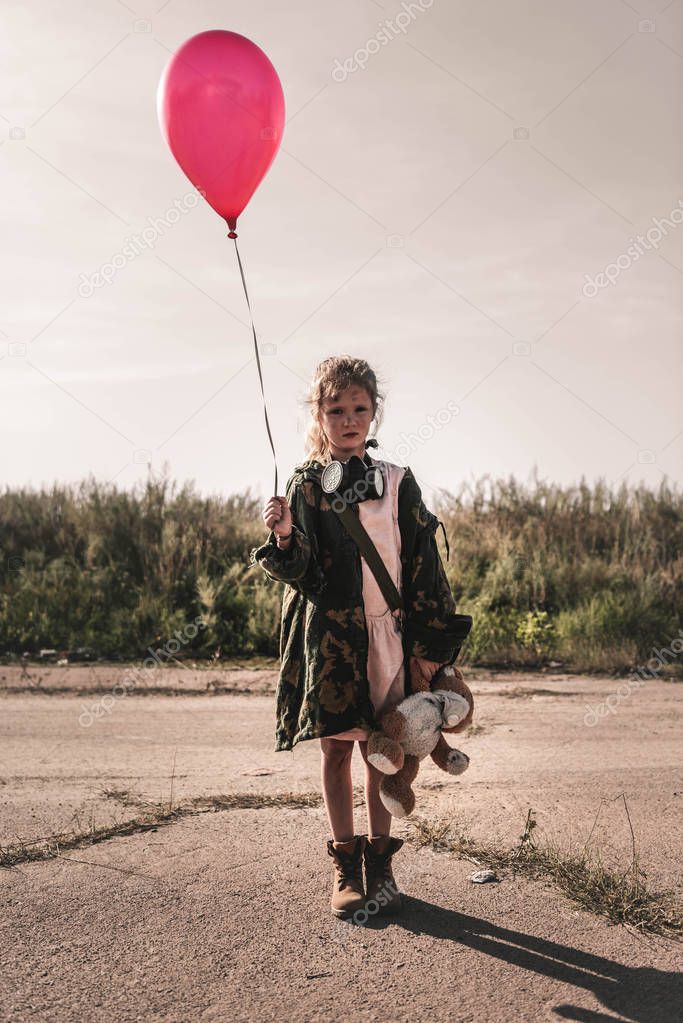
<point>342,651</point>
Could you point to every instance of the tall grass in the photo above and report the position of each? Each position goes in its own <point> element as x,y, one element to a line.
<point>115,571</point>
<point>581,575</point>
<point>588,576</point>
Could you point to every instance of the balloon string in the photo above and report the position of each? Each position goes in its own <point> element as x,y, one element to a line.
<point>258,361</point>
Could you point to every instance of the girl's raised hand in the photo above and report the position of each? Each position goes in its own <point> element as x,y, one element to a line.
<point>278,516</point>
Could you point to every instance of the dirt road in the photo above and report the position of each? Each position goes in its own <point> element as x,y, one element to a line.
<point>221,912</point>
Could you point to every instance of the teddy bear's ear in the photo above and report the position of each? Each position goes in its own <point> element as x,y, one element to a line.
<point>451,679</point>
<point>442,673</point>
<point>455,708</point>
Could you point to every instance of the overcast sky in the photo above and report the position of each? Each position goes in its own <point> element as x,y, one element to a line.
<point>445,212</point>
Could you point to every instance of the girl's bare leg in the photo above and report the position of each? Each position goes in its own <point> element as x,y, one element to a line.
<point>335,773</point>
<point>379,818</point>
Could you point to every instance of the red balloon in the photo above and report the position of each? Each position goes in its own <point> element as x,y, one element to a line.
<point>222,112</point>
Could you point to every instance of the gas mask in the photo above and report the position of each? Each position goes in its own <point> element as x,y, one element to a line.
<point>353,481</point>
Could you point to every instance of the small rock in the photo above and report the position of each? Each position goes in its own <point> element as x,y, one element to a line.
<point>482,876</point>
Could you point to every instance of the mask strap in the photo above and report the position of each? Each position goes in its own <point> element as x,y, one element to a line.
<point>448,550</point>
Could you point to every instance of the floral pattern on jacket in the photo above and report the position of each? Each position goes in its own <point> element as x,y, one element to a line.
<point>323,687</point>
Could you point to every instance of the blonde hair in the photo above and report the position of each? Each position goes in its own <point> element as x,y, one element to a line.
<point>332,376</point>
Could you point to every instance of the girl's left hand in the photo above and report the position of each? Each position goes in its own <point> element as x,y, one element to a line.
<point>425,668</point>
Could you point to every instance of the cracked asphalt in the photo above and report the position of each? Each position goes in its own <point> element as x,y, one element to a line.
<point>224,913</point>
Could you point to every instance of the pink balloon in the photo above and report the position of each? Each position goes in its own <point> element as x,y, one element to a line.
<point>222,112</point>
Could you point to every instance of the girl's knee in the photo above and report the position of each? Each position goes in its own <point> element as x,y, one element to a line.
<point>336,751</point>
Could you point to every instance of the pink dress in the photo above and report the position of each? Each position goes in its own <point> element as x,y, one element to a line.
<point>386,672</point>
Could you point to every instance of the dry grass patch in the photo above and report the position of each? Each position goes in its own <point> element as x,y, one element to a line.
<point>623,896</point>
<point>158,815</point>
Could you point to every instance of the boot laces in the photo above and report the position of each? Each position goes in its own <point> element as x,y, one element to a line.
<point>349,867</point>
<point>378,864</point>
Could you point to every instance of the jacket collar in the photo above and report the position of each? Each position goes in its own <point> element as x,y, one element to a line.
<point>310,470</point>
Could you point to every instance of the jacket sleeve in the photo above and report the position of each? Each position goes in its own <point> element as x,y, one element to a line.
<point>298,566</point>
<point>434,630</point>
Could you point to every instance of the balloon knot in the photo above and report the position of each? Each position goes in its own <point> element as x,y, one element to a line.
<point>232,234</point>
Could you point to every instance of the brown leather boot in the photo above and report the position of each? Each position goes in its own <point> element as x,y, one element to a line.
<point>382,894</point>
<point>348,895</point>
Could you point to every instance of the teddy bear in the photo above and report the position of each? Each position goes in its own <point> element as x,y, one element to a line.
<point>414,729</point>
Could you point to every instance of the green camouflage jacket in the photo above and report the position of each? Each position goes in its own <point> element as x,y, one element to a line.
<point>323,687</point>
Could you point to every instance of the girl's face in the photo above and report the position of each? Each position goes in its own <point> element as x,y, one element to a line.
<point>346,421</point>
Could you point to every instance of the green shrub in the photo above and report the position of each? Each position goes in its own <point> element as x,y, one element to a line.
<point>586,575</point>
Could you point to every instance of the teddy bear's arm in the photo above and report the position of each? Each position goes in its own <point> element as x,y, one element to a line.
<point>452,761</point>
<point>384,750</point>
<point>393,725</point>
